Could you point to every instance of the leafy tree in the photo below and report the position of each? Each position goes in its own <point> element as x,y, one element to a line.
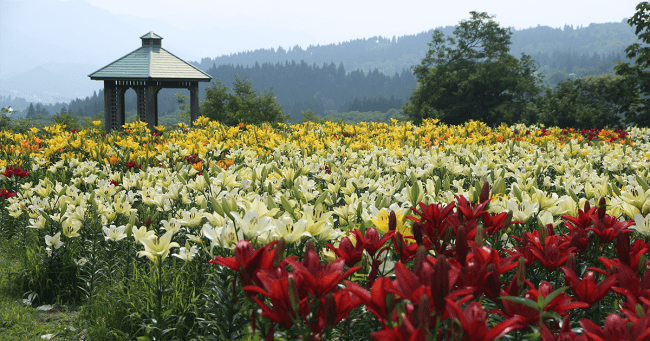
<point>242,105</point>
<point>638,75</point>
<point>586,102</point>
<point>471,76</point>
<point>67,118</point>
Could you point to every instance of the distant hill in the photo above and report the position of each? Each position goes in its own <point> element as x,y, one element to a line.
<point>374,74</point>
<point>392,54</point>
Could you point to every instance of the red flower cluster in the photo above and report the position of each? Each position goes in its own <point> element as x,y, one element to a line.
<point>6,194</point>
<point>17,171</point>
<point>449,269</point>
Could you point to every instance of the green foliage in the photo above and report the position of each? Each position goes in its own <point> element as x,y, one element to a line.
<point>637,76</point>
<point>590,102</point>
<point>471,76</point>
<point>64,117</point>
<point>309,116</point>
<point>242,105</point>
<point>353,117</point>
<point>184,108</point>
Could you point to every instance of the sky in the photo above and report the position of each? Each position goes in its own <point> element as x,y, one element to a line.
<point>54,38</point>
<point>349,19</point>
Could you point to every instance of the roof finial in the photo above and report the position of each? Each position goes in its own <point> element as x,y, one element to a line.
<point>151,40</point>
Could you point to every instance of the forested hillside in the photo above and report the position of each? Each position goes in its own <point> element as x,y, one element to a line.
<point>567,47</point>
<point>374,74</point>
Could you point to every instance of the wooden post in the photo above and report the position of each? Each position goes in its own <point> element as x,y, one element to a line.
<point>110,105</point>
<point>194,102</point>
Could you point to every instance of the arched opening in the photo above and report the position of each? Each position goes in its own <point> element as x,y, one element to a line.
<point>173,106</point>
<point>130,105</point>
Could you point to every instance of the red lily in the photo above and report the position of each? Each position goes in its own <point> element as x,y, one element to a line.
<point>565,334</point>
<point>433,218</point>
<point>319,279</point>
<point>436,282</point>
<point>496,222</point>
<point>583,220</point>
<point>17,171</point>
<point>471,211</point>
<point>553,253</point>
<point>334,308</point>
<point>560,304</point>
<point>578,238</point>
<point>375,299</point>
<point>482,271</point>
<point>405,251</point>
<point>6,194</point>
<point>616,329</point>
<point>251,260</point>
<point>471,324</point>
<point>607,228</point>
<point>277,290</point>
<point>406,331</point>
<point>371,241</point>
<point>587,290</point>
<point>346,251</point>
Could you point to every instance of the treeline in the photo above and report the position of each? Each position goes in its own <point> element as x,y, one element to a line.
<point>300,86</point>
<point>392,54</point>
<point>297,86</point>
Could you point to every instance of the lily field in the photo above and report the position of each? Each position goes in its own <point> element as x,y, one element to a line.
<point>331,231</point>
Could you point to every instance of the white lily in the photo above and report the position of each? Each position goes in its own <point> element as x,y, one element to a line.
<point>54,241</point>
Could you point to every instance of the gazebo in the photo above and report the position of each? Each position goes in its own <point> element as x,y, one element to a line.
<point>147,70</point>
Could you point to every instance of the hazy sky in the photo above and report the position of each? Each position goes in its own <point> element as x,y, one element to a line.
<point>349,19</point>
<point>51,41</point>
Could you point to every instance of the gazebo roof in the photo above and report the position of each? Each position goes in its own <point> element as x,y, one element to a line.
<point>150,62</point>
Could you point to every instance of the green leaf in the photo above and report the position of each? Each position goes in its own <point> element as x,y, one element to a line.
<point>552,296</point>
<point>521,300</point>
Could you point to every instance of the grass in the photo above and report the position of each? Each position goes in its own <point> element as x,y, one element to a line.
<point>21,322</point>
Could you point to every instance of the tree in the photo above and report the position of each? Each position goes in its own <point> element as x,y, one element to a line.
<point>589,102</point>
<point>242,105</point>
<point>66,118</point>
<point>471,76</point>
<point>31,112</point>
<point>638,75</point>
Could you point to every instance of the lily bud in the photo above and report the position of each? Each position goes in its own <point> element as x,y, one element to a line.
<point>461,246</point>
<point>543,233</point>
<point>147,222</point>
<point>293,296</point>
<point>440,284</point>
<point>485,193</point>
<point>524,240</point>
<point>308,248</point>
<point>449,231</point>
<point>587,206</point>
<point>457,331</point>
<point>244,277</point>
<point>642,261</point>
<point>424,312</point>
<point>521,272</point>
<point>417,233</point>
<point>571,262</point>
<point>478,238</point>
<point>623,247</point>
<point>330,310</point>
<point>602,207</point>
<point>392,221</point>
<point>279,252</point>
<point>420,255</point>
<point>506,222</point>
